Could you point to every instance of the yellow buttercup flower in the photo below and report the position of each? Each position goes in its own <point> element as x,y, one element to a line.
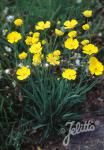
<point>57,53</point>
<point>35,37</point>
<point>28,40</point>
<point>69,24</point>
<point>37,58</point>
<point>69,74</point>
<point>54,58</point>
<point>30,33</point>
<point>23,73</point>
<point>95,66</point>
<point>14,37</point>
<point>22,55</point>
<point>32,39</point>
<point>36,34</point>
<point>93,60</point>
<point>85,42</point>
<point>35,48</point>
<point>41,25</point>
<point>86,27</point>
<point>87,13</point>
<point>71,44</point>
<point>72,34</point>
<point>90,49</point>
<point>18,22</point>
<point>59,32</point>
<point>35,40</point>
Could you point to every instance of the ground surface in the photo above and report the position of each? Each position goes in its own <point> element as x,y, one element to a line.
<point>85,141</point>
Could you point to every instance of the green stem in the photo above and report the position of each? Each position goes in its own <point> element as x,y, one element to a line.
<point>15,54</point>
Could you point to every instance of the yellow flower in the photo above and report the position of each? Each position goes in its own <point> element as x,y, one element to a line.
<point>35,37</point>
<point>90,49</point>
<point>85,42</point>
<point>32,39</point>
<point>59,32</point>
<point>35,40</point>
<point>41,25</point>
<point>30,33</point>
<point>36,48</point>
<point>86,27</point>
<point>28,40</point>
<point>44,42</point>
<point>69,24</point>
<point>37,58</point>
<point>87,13</point>
<point>72,34</point>
<point>18,22</point>
<point>36,34</point>
<point>57,53</point>
<point>22,73</point>
<point>93,60</point>
<point>22,55</point>
<point>69,74</point>
<point>71,44</point>
<point>14,37</point>
<point>54,58</point>
<point>95,66</point>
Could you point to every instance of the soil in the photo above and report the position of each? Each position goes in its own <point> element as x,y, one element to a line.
<point>94,108</point>
<point>84,141</point>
